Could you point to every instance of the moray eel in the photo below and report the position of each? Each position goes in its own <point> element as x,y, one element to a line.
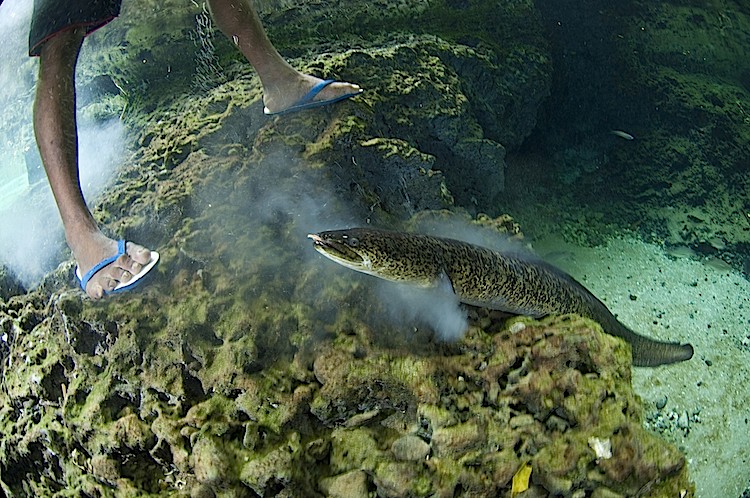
<point>486,278</point>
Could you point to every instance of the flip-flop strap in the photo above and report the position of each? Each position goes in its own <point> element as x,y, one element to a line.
<point>101,264</point>
<point>314,91</point>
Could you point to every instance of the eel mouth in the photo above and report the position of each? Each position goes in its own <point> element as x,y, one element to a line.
<point>321,244</point>
<point>339,251</point>
<point>317,239</point>
<point>335,250</point>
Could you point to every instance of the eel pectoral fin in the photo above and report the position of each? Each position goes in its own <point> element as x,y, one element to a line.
<point>445,285</point>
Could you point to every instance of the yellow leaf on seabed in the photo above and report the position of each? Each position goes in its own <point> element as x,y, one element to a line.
<point>521,480</point>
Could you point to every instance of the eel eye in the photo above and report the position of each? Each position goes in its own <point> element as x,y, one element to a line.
<point>352,242</point>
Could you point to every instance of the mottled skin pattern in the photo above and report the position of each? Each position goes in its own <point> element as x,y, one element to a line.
<point>486,278</point>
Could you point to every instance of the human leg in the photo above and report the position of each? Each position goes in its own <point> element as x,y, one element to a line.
<point>283,86</point>
<point>56,135</point>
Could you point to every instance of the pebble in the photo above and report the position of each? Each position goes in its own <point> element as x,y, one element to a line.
<point>410,448</point>
<point>517,327</point>
<point>521,421</point>
<point>352,484</point>
<point>661,402</point>
<point>684,421</point>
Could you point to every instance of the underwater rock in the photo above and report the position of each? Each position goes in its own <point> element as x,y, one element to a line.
<point>349,485</point>
<point>561,368</point>
<point>410,448</point>
<point>462,406</point>
<point>360,388</point>
<point>9,284</point>
<point>272,470</point>
<point>397,479</point>
<point>210,463</point>
<point>448,442</point>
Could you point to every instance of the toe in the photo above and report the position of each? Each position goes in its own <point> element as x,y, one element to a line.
<point>95,291</point>
<point>110,283</point>
<point>138,254</point>
<point>134,260</point>
<point>124,271</point>
<point>107,279</point>
<point>339,89</point>
<point>132,269</point>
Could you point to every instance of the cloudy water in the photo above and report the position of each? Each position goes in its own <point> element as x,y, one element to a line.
<point>610,140</point>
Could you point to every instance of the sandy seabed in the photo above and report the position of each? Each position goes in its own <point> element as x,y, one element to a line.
<point>686,300</point>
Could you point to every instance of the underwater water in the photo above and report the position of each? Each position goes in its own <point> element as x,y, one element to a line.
<point>612,141</point>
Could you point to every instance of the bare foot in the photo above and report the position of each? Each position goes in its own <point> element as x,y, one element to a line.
<point>279,98</point>
<point>96,248</point>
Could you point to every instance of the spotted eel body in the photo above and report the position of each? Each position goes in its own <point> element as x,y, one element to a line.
<point>487,278</point>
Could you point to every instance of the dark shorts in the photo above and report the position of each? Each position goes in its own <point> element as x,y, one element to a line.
<point>53,16</point>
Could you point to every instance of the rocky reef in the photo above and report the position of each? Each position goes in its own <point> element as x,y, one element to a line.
<point>109,404</point>
<point>249,366</point>
<point>672,77</point>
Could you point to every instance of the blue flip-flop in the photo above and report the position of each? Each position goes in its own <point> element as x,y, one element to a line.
<point>308,102</point>
<point>122,286</point>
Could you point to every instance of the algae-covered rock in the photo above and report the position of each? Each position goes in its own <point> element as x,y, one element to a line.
<point>461,417</point>
<point>349,485</point>
<point>564,378</point>
<point>410,448</point>
<point>247,365</point>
